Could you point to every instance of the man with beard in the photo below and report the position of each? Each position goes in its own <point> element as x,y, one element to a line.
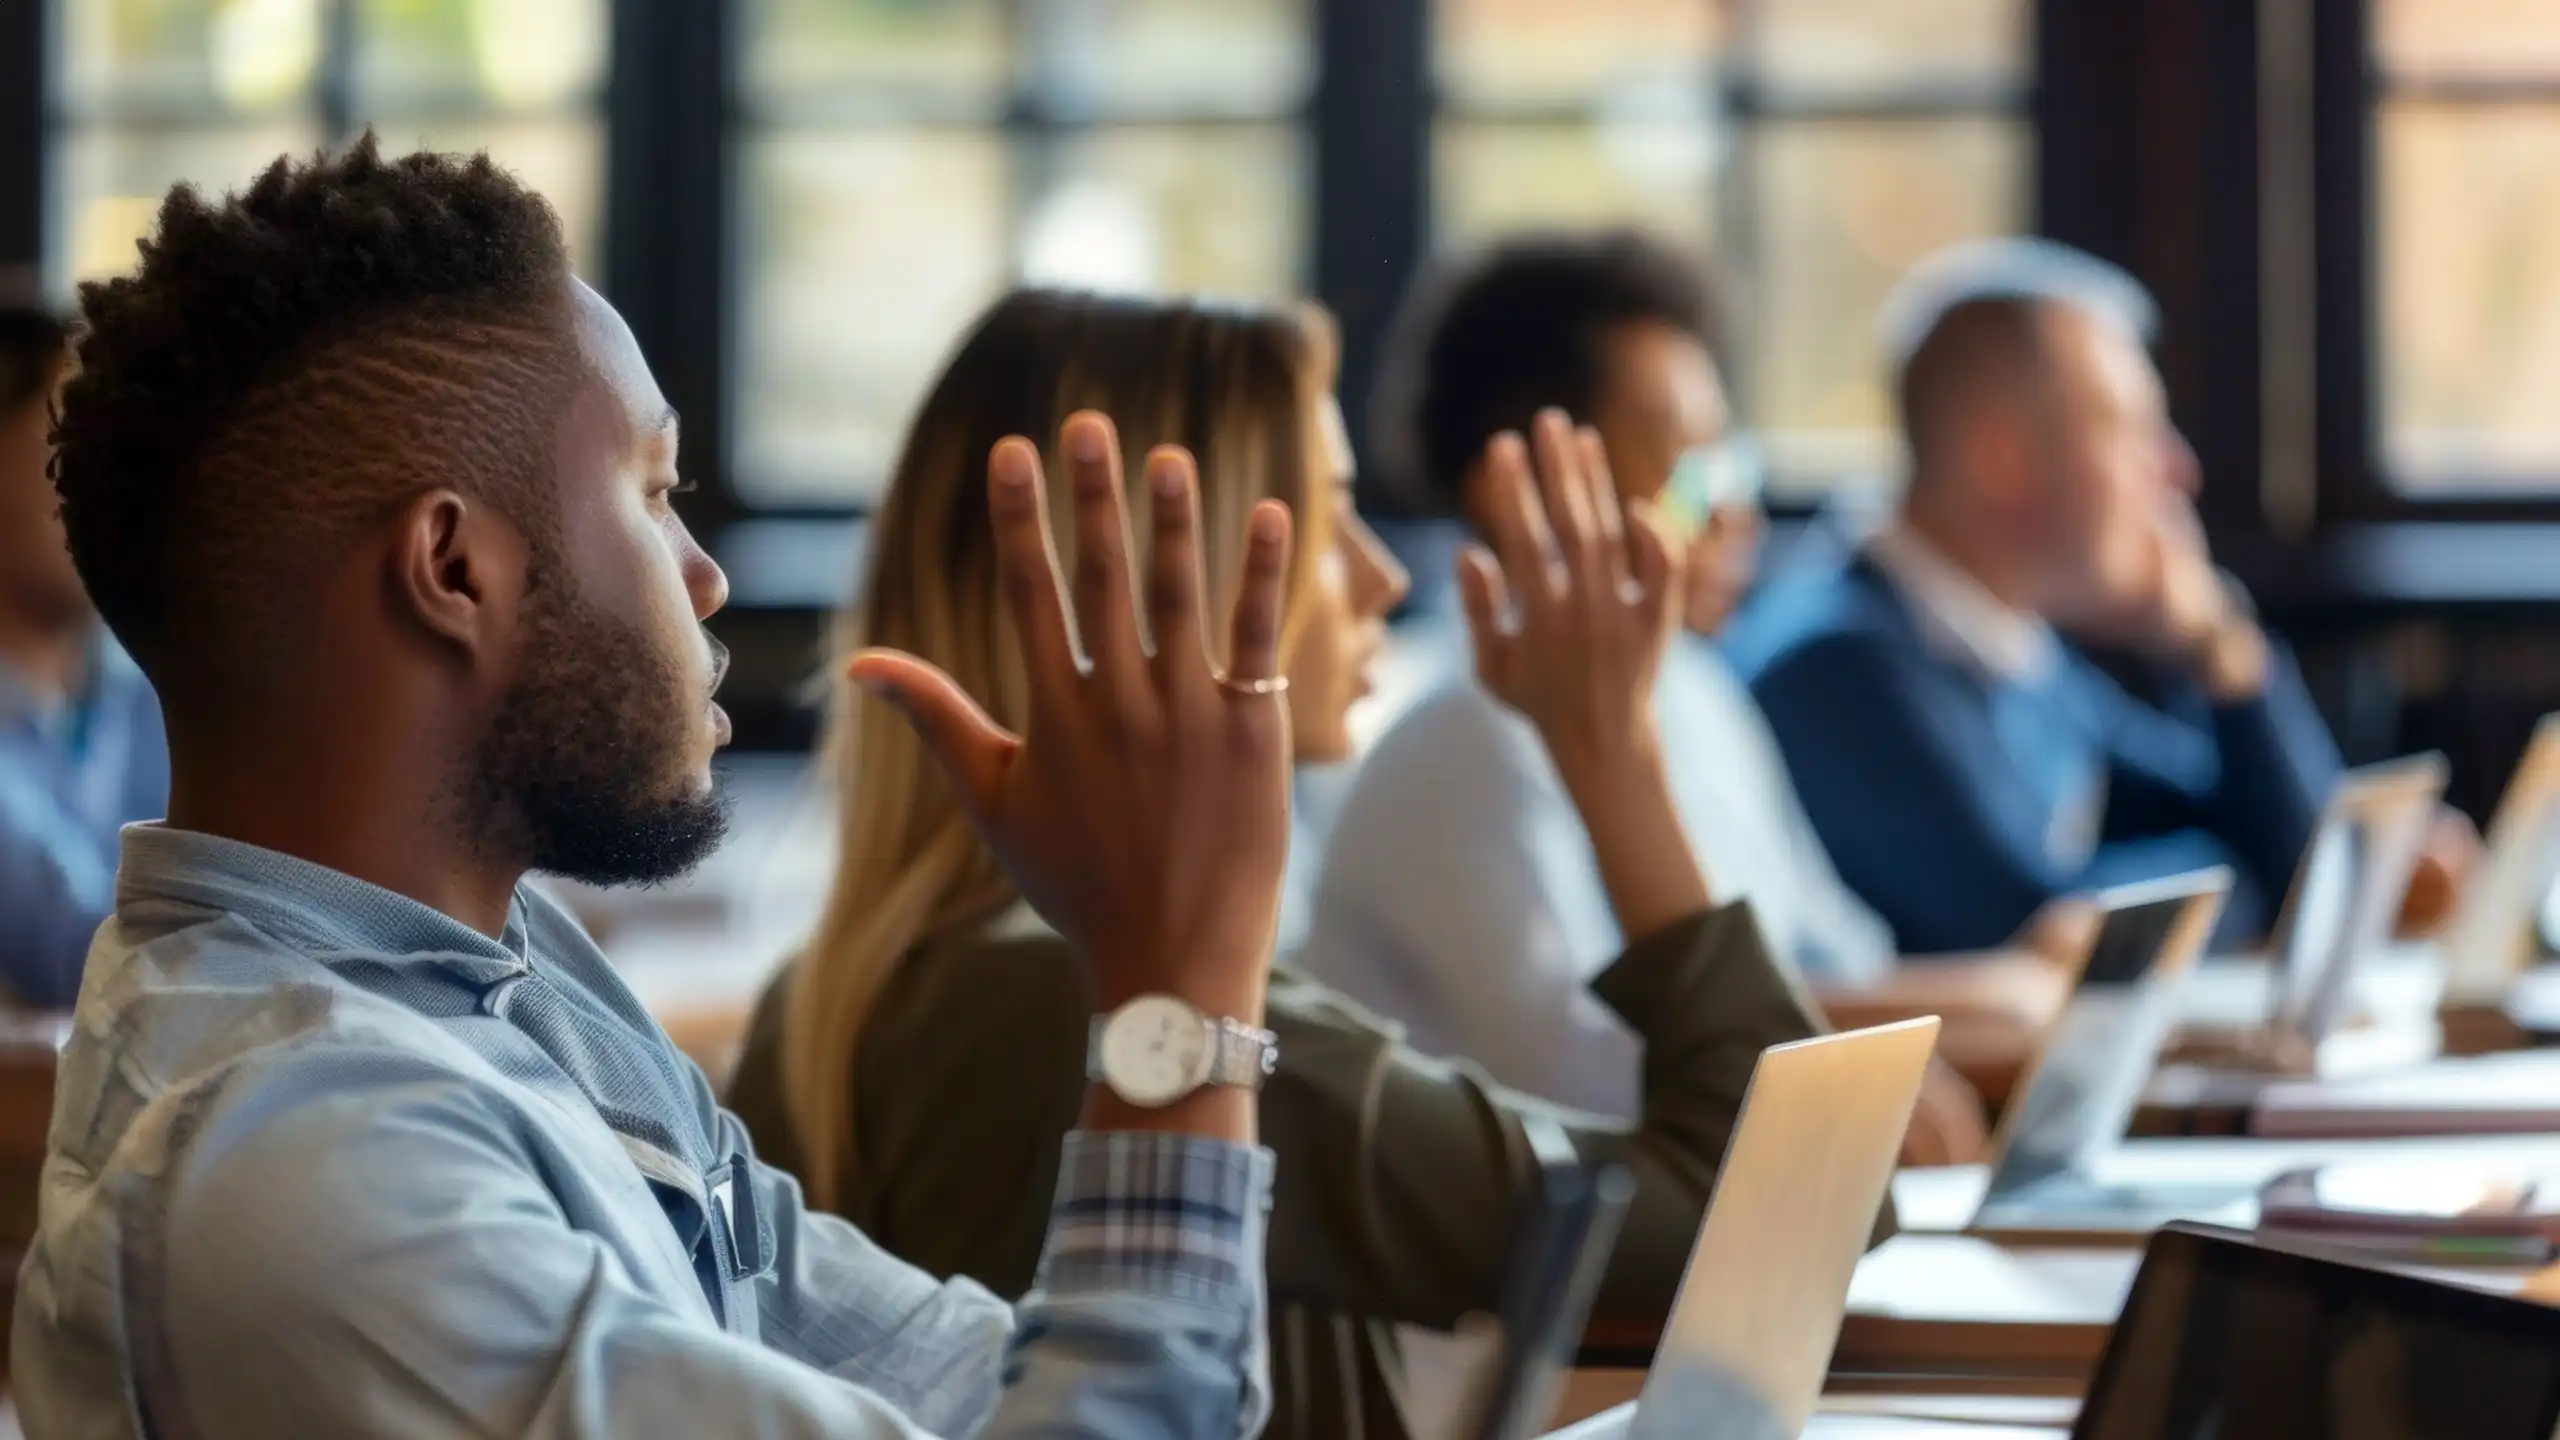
<point>357,1136</point>
<point>80,750</point>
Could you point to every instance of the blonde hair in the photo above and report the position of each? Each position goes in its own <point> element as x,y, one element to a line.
<point>1238,387</point>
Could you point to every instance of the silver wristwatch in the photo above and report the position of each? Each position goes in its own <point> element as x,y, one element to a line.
<point>1156,1049</point>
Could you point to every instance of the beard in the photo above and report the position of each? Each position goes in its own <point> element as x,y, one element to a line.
<point>587,768</point>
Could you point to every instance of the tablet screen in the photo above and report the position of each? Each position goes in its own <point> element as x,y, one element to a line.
<point>2226,1340</point>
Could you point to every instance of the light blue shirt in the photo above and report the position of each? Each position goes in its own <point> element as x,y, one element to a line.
<point>72,772</point>
<point>1459,893</point>
<point>326,1162</point>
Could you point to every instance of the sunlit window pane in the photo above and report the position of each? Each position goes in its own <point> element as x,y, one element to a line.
<point>1151,57</point>
<point>1495,177</point>
<point>2448,37</point>
<point>499,54</point>
<point>1840,210</point>
<point>1835,44</point>
<point>864,55</point>
<point>167,55</point>
<point>1518,52</point>
<point>2469,355</point>
<point>562,159</point>
<point>1168,209</point>
<point>865,254</point>
<point>113,182</point>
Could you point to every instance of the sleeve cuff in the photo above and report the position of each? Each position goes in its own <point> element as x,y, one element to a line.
<point>1173,1215</point>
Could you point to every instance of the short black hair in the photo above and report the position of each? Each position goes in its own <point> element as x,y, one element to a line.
<point>33,343</point>
<point>1484,342</point>
<point>288,360</point>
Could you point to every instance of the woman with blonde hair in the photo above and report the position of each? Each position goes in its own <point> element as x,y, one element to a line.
<point>919,1063</point>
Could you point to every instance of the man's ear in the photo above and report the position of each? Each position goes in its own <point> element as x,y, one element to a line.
<point>457,570</point>
<point>2001,455</point>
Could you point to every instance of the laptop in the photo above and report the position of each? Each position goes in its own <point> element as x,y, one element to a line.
<point>1749,1340</point>
<point>2491,941</point>
<point>2339,914</point>
<point>2226,1336</point>
<point>1559,1245</point>
<point>2078,1096</point>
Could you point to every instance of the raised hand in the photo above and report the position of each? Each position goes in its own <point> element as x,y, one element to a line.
<point>2192,615</point>
<point>1595,599</point>
<point>1144,811</point>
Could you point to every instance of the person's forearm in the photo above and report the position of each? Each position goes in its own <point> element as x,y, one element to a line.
<point>1624,797</point>
<point>1707,998</point>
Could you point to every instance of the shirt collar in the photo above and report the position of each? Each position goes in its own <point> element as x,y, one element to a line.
<point>338,917</point>
<point>1955,610</point>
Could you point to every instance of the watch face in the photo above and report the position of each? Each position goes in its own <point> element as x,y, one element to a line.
<point>1155,1050</point>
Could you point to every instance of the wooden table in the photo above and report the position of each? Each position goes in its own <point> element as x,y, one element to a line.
<point>1954,1313</point>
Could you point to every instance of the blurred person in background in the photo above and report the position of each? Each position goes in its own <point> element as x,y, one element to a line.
<point>1457,893</point>
<point>917,1063</point>
<point>80,746</point>
<point>1964,760</point>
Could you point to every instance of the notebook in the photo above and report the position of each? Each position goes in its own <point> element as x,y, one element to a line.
<point>2517,1093</point>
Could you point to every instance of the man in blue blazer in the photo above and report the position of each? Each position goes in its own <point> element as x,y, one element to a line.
<point>1963,763</point>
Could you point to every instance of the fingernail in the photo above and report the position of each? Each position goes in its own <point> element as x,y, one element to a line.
<point>1085,440</point>
<point>1010,471</point>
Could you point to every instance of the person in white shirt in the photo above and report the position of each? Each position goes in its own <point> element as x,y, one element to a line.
<point>1457,892</point>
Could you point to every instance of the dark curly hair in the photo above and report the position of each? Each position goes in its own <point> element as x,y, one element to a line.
<point>1484,342</point>
<point>292,362</point>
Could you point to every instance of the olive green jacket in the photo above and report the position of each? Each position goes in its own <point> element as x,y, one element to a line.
<point>1398,1172</point>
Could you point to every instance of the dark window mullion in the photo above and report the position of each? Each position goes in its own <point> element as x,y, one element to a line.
<point>336,80</point>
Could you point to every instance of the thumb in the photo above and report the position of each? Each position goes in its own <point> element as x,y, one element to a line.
<point>970,747</point>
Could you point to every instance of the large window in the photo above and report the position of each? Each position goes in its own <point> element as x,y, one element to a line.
<point>903,160</point>
<point>2466,169</point>
<point>886,167</point>
<point>153,92</point>
<point>1813,148</point>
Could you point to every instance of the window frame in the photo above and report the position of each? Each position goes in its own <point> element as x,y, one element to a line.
<point>1028,128</point>
<point>675,114</point>
<point>330,105</point>
<point>2350,88</point>
<point>1750,103</point>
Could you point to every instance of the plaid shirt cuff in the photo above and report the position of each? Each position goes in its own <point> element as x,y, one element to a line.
<point>1172,1215</point>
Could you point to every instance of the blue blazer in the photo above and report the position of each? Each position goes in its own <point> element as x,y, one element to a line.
<point>1956,803</point>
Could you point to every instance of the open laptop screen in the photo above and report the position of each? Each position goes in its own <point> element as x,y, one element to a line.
<point>2349,887</point>
<point>2089,1075</point>
<point>2226,1339</point>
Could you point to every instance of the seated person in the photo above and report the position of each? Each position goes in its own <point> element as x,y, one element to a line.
<point>1963,763</point>
<point>916,1065</point>
<point>1458,893</point>
<point>360,1136</point>
<point>80,748</point>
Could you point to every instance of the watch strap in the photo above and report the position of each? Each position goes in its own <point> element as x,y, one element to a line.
<point>1242,1055</point>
